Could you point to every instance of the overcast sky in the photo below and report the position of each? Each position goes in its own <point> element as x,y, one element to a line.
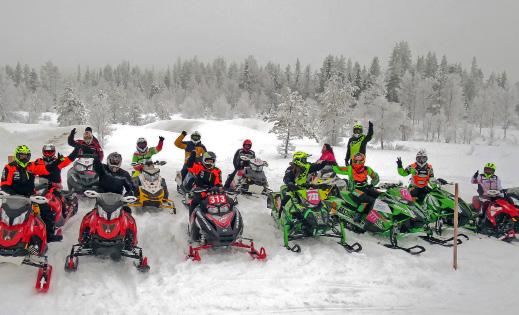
<point>157,32</point>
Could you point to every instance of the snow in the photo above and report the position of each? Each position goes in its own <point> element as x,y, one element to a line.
<point>322,279</point>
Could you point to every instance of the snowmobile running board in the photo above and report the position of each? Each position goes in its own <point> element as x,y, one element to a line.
<point>194,252</point>
<point>353,248</point>
<point>71,262</point>
<point>413,250</point>
<point>443,242</point>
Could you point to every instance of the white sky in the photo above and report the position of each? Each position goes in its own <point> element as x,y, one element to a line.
<point>157,32</point>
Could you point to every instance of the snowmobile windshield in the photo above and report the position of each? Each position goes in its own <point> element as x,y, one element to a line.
<point>151,177</point>
<point>109,202</point>
<point>256,167</point>
<point>15,210</point>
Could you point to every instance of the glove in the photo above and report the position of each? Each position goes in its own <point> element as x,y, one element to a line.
<point>73,131</point>
<point>60,156</point>
<point>161,138</point>
<point>399,162</point>
<point>184,132</point>
<point>291,187</point>
<point>442,181</point>
<point>476,174</point>
<point>370,124</point>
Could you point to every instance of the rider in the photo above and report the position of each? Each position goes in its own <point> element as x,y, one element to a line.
<point>49,155</point>
<point>358,141</point>
<point>89,144</point>
<point>296,176</point>
<point>238,163</point>
<point>327,155</point>
<point>144,153</point>
<point>361,189</point>
<point>422,173</point>
<point>189,146</point>
<point>202,174</point>
<point>112,178</point>
<point>486,182</point>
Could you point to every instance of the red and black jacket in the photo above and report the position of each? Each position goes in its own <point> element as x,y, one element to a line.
<point>93,148</point>
<point>18,180</point>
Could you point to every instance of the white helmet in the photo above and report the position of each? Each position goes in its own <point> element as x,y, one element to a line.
<point>421,157</point>
<point>195,137</point>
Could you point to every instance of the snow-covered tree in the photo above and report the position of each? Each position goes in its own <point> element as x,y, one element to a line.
<point>244,108</point>
<point>387,119</point>
<point>70,109</point>
<point>97,117</point>
<point>336,102</point>
<point>221,108</point>
<point>287,120</point>
<point>192,106</point>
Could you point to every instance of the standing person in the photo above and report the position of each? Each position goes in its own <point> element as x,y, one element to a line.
<point>144,153</point>
<point>88,145</point>
<point>422,175</point>
<point>358,141</point>
<point>238,163</point>
<point>327,155</point>
<point>188,146</point>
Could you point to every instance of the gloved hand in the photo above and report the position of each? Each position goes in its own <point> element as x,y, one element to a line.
<point>442,181</point>
<point>291,187</point>
<point>370,124</point>
<point>161,138</point>
<point>60,156</point>
<point>399,162</point>
<point>476,174</point>
<point>184,132</point>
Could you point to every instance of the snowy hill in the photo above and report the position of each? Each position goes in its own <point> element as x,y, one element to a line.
<point>321,279</point>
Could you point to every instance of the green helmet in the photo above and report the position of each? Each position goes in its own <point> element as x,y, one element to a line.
<point>491,165</point>
<point>299,158</point>
<point>489,169</point>
<point>22,155</point>
<point>357,129</point>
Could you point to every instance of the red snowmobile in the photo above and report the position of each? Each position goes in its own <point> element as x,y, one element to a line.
<point>216,222</point>
<point>108,230</point>
<point>57,211</point>
<point>501,218</point>
<point>23,238</point>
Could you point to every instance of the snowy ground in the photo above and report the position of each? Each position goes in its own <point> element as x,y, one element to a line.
<point>321,279</point>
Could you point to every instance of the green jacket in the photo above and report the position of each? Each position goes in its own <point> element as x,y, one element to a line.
<point>357,179</point>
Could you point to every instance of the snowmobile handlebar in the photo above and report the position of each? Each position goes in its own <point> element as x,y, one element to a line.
<point>95,194</point>
<point>33,199</point>
<point>210,190</point>
<point>160,163</point>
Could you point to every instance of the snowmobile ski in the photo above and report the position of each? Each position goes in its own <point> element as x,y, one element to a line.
<point>447,242</point>
<point>413,250</point>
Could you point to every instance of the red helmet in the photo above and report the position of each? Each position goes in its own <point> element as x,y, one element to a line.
<point>248,143</point>
<point>49,152</point>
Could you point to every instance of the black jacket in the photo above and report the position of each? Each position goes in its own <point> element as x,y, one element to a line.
<point>363,139</point>
<point>238,163</point>
<point>119,182</point>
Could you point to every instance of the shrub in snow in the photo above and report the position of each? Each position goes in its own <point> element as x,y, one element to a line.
<point>70,109</point>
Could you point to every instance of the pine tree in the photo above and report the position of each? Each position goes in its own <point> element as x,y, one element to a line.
<point>70,109</point>
<point>97,117</point>
<point>221,108</point>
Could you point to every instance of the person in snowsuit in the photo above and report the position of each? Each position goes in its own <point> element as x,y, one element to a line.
<point>238,163</point>
<point>486,182</point>
<point>89,145</point>
<point>358,142</point>
<point>327,155</point>
<point>189,146</point>
<point>203,174</point>
<point>18,179</point>
<point>362,190</point>
<point>296,177</point>
<point>144,153</point>
<point>422,175</point>
<point>112,178</point>
<point>49,156</point>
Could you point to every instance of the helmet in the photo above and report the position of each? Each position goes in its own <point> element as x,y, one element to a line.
<point>358,158</point>
<point>247,144</point>
<point>114,161</point>
<point>357,129</point>
<point>195,137</point>
<point>49,152</point>
<point>142,145</point>
<point>489,169</point>
<point>22,155</point>
<point>299,158</point>
<point>207,158</point>
<point>421,157</point>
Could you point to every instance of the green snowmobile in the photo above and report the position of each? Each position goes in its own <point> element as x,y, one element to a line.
<point>306,215</point>
<point>389,216</point>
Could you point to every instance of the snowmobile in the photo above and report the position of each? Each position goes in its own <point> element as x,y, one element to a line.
<point>82,176</point>
<point>23,237</point>
<point>389,215</point>
<point>153,191</point>
<point>108,230</point>
<point>307,215</point>
<point>57,211</point>
<point>501,219</point>
<point>251,179</point>
<point>216,222</point>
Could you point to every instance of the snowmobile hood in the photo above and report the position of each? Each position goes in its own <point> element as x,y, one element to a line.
<point>109,202</point>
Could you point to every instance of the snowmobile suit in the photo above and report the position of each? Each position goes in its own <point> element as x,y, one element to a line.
<point>139,157</point>
<point>328,158</point>
<point>54,175</point>
<point>239,164</point>
<point>421,179</point>
<point>486,183</point>
<point>358,145</point>
<point>358,184</point>
<point>202,177</point>
<point>115,182</point>
<point>93,148</point>
<point>188,147</point>
<point>18,180</point>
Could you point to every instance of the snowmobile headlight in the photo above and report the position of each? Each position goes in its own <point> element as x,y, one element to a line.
<point>224,208</point>
<point>151,178</point>
<point>4,217</point>
<point>80,167</point>
<point>103,214</point>
<point>212,210</point>
<point>19,219</point>
<point>256,168</point>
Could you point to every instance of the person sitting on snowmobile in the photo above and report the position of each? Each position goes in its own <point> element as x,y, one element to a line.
<point>189,146</point>
<point>202,174</point>
<point>327,155</point>
<point>144,153</point>
<point>358,141</point>
<point>362,190</point>
<point>49,156</point>
<point>486,182</point>
<point>112,178</point>
<point>423,175</point>
<point>238,163</point>
<point>89,144</point>
<point>296,176</point>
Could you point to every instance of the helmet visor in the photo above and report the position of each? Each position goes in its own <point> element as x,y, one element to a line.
<point>23,157</point>
<point>115,160</point>
<point>247,146</point>
<point>142,145</point>
<point>357,131</point>
<point>489,171</point>
<point>49,153</point>
<point>195,137</point>
<point>421,159</point>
